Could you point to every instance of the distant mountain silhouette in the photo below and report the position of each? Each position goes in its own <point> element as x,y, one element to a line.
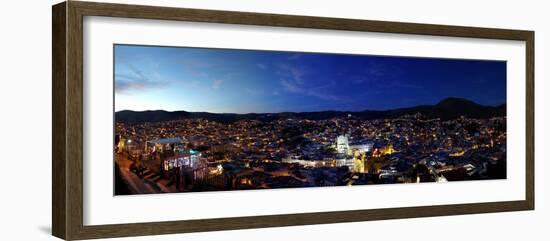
<point>450,108</point>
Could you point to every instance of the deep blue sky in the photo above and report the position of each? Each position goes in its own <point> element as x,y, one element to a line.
<point>244,81</point>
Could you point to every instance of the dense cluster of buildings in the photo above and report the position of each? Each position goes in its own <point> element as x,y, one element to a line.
<point>203,155</point>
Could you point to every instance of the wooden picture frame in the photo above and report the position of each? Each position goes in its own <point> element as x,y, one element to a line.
<point>67,123</point>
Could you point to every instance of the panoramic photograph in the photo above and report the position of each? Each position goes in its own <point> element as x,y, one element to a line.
<point>190,119</point>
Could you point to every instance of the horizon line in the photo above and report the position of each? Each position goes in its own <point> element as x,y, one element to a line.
<point>247,113</point>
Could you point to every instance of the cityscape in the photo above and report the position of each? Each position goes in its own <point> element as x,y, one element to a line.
<point>194,120</point>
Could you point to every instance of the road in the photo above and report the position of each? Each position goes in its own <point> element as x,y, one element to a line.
<point>136,184</point>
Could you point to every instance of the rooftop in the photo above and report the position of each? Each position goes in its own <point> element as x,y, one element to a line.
<point>166,140</point>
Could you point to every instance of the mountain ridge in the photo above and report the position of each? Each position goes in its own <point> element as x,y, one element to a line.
<point>448,108</point>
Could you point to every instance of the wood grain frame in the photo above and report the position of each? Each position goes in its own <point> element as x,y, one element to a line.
<point>67,136</point>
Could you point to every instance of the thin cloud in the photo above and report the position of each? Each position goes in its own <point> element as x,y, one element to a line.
<point>297,74</point>
<point>135,81</point>
<point>294,82</point>
<point>261,66</point>
<point>317,92</point>
<point>217,84</point>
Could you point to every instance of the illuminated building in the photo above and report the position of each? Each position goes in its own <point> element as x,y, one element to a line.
<point>190,162</point>
<point>309,163</point>
<point>121,145</point>
<point>342,160</point>
<point>461,153</point>
<point>342,144</point>
<point>362,148</point>
<point>163,144</point>
<point>359,164</point>
<point>388,150</point>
